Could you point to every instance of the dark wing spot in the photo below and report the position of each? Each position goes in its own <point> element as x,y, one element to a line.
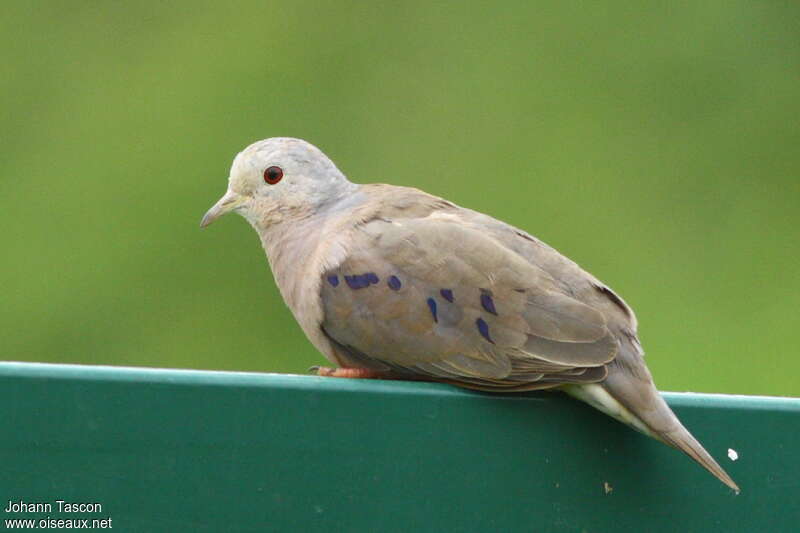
<point>333,280</point>
<point>487,302</point>
<point>525,236</point>
<point>447,294</point>
<point>483,328</point>
<point>432,307</point>
<point>372,278</point>
<point>614,298</point>
<point>357,282</point>
<point>394,283</point>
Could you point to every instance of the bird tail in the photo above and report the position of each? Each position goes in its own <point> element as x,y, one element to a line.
<point>637,403</point>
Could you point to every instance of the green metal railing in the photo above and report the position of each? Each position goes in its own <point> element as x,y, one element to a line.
<point>170,450</point>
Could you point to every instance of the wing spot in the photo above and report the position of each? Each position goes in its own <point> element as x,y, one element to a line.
<point>357,282</point>
<point>394,283</point>
<point>447,294</point>
<point>483,328</point>
<point>361,281</point>
<point>611,295</point>
<point>333,280</point>
<point>432,307</point>
<point>487,302</point>
<point>525,236</point>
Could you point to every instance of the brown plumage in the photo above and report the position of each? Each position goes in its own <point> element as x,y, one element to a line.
<point>409,285</point>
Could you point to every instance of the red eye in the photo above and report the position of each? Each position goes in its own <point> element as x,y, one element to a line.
<point>273,175</point>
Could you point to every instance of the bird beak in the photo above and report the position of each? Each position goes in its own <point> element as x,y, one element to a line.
<point>228,202</point>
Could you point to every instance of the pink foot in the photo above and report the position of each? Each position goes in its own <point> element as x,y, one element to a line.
<point>356,373</point>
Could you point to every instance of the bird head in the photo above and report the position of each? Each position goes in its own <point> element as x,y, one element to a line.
<point>277,179</point>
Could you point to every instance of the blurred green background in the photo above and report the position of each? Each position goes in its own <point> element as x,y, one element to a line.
<point>657,145</point>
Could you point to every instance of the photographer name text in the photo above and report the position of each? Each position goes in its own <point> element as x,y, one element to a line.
<point>60,506</point>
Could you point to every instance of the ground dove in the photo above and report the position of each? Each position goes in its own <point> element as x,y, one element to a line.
<point>392,282</point>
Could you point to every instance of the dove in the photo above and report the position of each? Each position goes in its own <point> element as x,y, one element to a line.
<point>392,282</point>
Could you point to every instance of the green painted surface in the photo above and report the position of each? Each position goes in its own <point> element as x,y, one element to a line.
<point>166,450</point>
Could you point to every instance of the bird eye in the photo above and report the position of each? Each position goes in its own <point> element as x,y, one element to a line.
<point>273,175</point>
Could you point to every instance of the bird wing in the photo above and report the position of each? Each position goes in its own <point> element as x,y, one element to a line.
<point>437,298</point>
